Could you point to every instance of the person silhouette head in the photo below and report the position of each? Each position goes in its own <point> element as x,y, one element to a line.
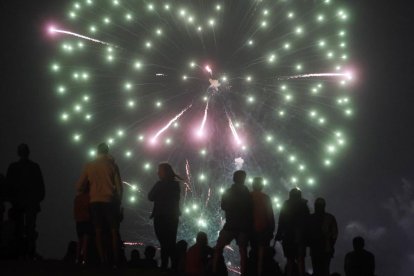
<point>320,205</point>
<point>239,177</point>
<point>166,172</point>
<point>202,238</point>
<point>295,194</point>
<point>358,243</point>
<point>103,149</point>
<point>258,184</point>
<point>23,150</point>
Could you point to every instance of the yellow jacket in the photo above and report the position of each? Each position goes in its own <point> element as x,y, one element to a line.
<point>102,176</point>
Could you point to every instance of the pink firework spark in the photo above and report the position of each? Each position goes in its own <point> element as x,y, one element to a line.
<point>53,30</point>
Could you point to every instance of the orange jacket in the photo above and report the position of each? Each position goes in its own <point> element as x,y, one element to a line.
<point>102,176</point>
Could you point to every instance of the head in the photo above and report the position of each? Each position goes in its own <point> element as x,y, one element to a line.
<point>239,177</point>
<point>135,256</point>
<point>181,247</point>
<point>23,151</point>
<point>295,194</point>
<point>150,252</point>
<point>258,184</point>
<point>102,149</point>
<point>202,238</point>
<point>358,243</point>
<point>166,172</point>
<point>320,205</point>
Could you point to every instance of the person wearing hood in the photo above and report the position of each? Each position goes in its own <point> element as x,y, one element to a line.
<point>103,179</point>
<point>293,217</point>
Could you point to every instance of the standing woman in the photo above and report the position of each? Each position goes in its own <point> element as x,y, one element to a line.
<point>166,197</point>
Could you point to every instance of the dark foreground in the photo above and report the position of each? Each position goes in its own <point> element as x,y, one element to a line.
<point>54,268</point>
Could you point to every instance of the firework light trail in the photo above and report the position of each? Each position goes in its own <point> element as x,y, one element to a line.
<point>203,123</point>
<point>173,120</point>
<point>52,30</point>
<point>289,86</point>
<point>346,75</point>
<point>233,130</point>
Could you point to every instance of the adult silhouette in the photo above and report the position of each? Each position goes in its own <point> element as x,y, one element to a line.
<point>263,222</point>
<point>236,202</point>
<point>359,262</point>
<point>323,232</point>
<point>105,195</point>
<point>26,191</point>
<point>293,217</point>
<point>166,197</point>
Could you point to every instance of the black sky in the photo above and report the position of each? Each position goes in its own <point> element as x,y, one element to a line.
<point>382,145</point>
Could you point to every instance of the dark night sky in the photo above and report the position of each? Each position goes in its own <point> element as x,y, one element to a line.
<point>382,147</point>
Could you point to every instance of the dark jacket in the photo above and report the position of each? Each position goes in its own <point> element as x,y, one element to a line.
<point>292,221</point>
<point>166,198</point>
<point>323,232</point>
<point>25,181</point>
<point>237,204</point>
<point>359,263</point>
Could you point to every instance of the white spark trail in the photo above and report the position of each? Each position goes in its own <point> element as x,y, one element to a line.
<point>53,30</point>
<point>331,75</point>
<point>154,139</point>
<point>233,130</point>
<point>203,123</point>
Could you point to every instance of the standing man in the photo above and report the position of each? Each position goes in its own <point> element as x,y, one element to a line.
<point>323,232</point>
<point>26,191</point>
<point>291,231</point>
<point>263,222</point>
<point>237,204</point>
<point>105,191</point>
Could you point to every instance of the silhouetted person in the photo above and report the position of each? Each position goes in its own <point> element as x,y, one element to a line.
<point>294,215</point>
<point>359,262</point>
<point>105,191</point>
<point>135,260</point>
<point>263,222</point>
<point>82,216</point>
<point>166,197</point>
<point>236,202</point>
<point>323,232</point>
<point>198,256</point>
<point>27,190</point>
<point>180,257</point>
<point>149,254</point>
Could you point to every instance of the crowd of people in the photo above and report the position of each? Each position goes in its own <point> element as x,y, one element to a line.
<point>249,220</point>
